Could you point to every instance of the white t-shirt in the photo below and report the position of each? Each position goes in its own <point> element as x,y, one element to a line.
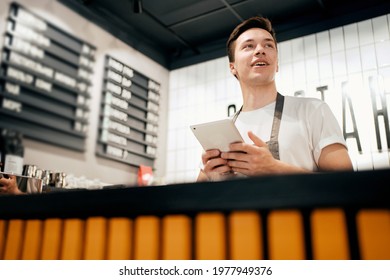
<point>307,126</point>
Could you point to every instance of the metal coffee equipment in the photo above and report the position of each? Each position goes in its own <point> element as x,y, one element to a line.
<point>25,184</point>
<point>35,180</point>
<point>59,179</point>
<point>45,177</point>
<point>29,170</point>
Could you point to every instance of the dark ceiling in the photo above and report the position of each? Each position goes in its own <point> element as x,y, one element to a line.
<point>178,33</point>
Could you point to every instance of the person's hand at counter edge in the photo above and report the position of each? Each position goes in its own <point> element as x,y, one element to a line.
<point>8,185</point>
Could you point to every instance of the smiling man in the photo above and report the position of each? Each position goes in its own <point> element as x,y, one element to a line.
<point>283,134</point>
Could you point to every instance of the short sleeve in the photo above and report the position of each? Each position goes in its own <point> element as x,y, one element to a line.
<point>325,130</point>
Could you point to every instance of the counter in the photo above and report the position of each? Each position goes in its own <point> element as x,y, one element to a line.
<point>343,215</point>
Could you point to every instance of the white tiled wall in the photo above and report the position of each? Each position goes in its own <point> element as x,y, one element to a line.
<point>346,55</point>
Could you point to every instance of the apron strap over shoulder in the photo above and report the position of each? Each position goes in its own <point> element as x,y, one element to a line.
<point>273,143</point>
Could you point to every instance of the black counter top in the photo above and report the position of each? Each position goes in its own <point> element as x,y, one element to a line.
<point>368,189</point>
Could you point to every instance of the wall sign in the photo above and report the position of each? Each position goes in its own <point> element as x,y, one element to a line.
<point>378,98</point>
<point>45,79</point>
<point>128,116</point>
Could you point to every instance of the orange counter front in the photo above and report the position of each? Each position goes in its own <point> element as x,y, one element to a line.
<point>320,216</point>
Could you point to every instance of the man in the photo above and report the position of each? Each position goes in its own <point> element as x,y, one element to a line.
<point>282,134</point>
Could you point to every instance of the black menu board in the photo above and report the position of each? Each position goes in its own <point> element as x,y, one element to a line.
<point>45,79</point>
<point>128,116</point>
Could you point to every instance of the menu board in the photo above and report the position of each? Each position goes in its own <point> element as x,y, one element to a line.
<point>128,116</point>
<point>45,80</point>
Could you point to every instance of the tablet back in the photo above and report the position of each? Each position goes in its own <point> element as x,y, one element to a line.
<point>217,134</point>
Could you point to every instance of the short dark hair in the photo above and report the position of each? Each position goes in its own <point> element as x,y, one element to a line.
<point>253,22</point>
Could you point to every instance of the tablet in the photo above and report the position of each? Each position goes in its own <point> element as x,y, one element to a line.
<point>217,134</point>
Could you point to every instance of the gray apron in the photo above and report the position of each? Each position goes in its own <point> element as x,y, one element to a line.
<point>273,143</point>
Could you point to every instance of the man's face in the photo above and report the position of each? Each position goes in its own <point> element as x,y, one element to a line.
<point>255,57</point>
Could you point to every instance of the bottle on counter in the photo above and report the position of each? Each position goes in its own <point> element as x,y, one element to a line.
<point>12,152</point>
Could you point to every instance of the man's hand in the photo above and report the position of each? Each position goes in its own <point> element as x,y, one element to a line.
<point>214,167</point>
<point>251,159</point>
<point>256,159</point>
